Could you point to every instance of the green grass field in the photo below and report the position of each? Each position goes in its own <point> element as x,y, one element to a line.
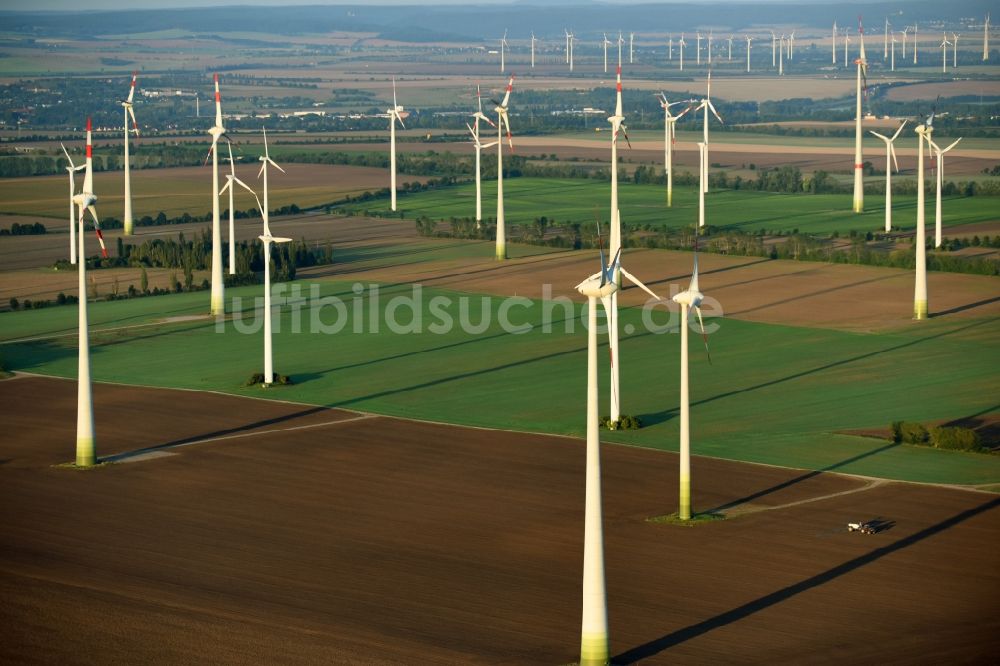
<point>576,200</point>
<point>774,394</point>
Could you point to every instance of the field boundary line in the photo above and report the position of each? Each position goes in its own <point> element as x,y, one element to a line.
<point>976,488</point>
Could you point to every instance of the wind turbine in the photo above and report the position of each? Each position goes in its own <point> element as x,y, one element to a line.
<point>705,105</point>
<point>859,174</point>
<point>621,41</point>
<point>567,46</point>
<point>533,40</point>
<point>944,52</point>
<point>502,120</point>
<point>631,41</point>
<point>890,153</point>
<point>230,179</point>
<point>939,154</point>
<point>267,239</point>
<point>906,29</point>
<point>954,50</point>
<point>730,48</point>
<point>781,56</point>
<point>920,286</point>
<point>914,43</point>
<point>572,38</point>
<point>847,40</point>
<point>474,130</point>
<point>774,45</point>
<point>833,44</point>
<point>892,51</point>
<point>396,113</point>
<point>503,68</point>
<point>697,50</point>
<point>791,45</point>
<point>670,49</point>
<point>669,134</point>
<point>606,42</point>
<point>85,200</point>
<point>702,182</point>
<point>689,299</point>
<point>986,39</point>
<point>709,49</point>
<point>885,41</point>
<point>71,169</point>
<point>127,105</point>
<point>748,38</point>
<point>218,306</point>
<point>681,44</point>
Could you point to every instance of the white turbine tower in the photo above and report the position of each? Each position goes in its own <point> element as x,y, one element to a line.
<point>944,52</point>
<point>906,29</point>
<point>631,42</point>
<point>129,113</point>
<point>697,51</point>
<point>606,42</point>
<point>670,49</point>
<point>572,38</point>
<point>502,120</point>
<point>781,56</point>
<point>702,182</point>
<point>669,137</point>
<point>394,114</point>
<point>939,154</point>
<point>267,239</point>
<point>230,179</point>
<point>847,41</point>
<point>791,45</point>
<point>986,39</point>
<point>567,46</point>
<point>708,51</point>
<point>748,38</point>
<point>474,130</point>
<point>885,41</point>
<point>890,161</point>
<point>892,51</point>
<point>533,40</point>
<point>85,445</point>
<point>218,306</point>
<point>503,46</point>
<point>920,285</point>
<point>774,52</point>
<point>954,50</point>
<point>914,43</point>
<point>833,44</point>
<point>594,650</point>
<point>621,41</point>
<point>705,106</point>
<point>681,44</point>
<point>859,174</point>
<point>689,299</point>
<point>730,48</point>
<point>72,169</point>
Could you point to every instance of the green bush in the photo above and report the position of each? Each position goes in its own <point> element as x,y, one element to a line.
<point>956,439</point>
<point>626,422</point>
<point>906,432</point>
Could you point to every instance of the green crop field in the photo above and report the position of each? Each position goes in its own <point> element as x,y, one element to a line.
<point>576,200</point>
<point>773,394</point>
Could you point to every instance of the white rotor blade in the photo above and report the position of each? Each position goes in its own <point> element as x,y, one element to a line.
<point>229,183</point>
<point>892,151</point>
<point>951,146</point>
<point>899,130</point>
<point>275,165</point>
<point>634,280</point>
<point>714,112</point>
<point>704,335</point>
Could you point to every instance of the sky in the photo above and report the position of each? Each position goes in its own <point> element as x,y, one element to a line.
<point>77,5</point>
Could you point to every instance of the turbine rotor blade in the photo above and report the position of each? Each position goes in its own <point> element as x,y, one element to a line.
<point>704,335</point>
<point>634,280</point>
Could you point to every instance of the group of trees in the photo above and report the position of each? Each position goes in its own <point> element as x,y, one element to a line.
<point>18,229</point>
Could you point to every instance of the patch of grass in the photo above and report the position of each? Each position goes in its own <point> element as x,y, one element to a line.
<point>774,394</point>
<point>694,521</point>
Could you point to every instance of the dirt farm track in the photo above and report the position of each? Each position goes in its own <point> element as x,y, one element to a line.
<point>239,531</point>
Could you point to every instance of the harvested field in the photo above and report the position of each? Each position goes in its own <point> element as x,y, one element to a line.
<point>930,91</point>
<point>302,536</point>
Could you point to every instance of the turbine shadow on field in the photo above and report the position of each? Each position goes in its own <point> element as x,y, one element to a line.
<point>801,478</point>
<point>679,636</point>
<point>966,306</point>
<point>119,457</point>
<point>820,292</point>
<point>667,414</point>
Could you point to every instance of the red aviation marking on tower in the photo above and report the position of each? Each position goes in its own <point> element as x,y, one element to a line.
<point>859,166</point>
<point>90,148</point>
<point>218,97</point>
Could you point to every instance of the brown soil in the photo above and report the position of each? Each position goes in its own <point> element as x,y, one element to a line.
<point>802,293</point>
<point>389,541</point>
